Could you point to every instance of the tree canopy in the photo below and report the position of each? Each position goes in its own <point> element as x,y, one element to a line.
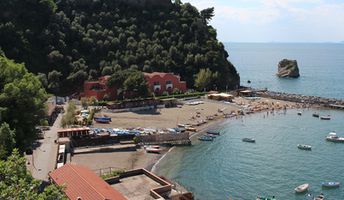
<point>17,183</point>
<point>71,41</point>
<point>22,99</point>
<point>205,79</point>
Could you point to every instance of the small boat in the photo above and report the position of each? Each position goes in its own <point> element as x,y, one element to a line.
<point>210,135</point>
<point>266,198</point>
<point>315,115</point>
<point>104,120</point>
<point>205,138</point>
<point>304,147</point>
<point>328,117</point>
<point>191,129</point>
<point>332,137</point>
<point>299,113</point>
<point>211,132</point>
<point>320,197</point>
<point>330,184</point>
<point>302,188</point>
<point>249,140</point>
<point>153,150</point>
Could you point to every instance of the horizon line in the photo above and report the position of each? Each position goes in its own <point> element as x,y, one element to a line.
<point>281,42</point>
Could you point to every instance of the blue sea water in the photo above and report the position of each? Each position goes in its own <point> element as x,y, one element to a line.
<point>321,67</point>
<point>273,165</point>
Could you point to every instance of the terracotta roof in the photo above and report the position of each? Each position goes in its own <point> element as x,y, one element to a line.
<point>80,182</point>
<point>73,129</point>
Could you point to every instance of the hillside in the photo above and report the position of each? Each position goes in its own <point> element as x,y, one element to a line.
<point>69,41</point>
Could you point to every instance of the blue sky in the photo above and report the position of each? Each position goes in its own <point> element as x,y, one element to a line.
<point>276,20</point>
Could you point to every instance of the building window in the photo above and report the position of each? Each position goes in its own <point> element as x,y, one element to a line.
<point>168,82</point>
<point>156,83</point>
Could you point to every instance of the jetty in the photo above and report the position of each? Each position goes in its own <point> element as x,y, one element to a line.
<point>303,99</point>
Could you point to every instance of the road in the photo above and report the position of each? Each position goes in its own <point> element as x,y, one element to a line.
<point>43,159</point>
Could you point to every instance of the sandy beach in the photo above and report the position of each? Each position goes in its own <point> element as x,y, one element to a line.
<point>211,111</point>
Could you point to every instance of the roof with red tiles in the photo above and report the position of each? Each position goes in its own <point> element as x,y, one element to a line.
<point>79,182</point>
<point>73,129</point>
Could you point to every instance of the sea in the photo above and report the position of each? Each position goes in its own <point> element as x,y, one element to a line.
<point>228,168</point>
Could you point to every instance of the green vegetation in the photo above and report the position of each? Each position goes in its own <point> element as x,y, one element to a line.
<point>130,83</point>
<point>7,141</point>
<point>69,41</point>
<point>17,183</point>
<point>205,79</point>
<point>69,117</point>
<point>112,174</point>
<point>22,99</point>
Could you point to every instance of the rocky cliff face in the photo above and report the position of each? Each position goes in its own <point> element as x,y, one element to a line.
<point>288,68</point>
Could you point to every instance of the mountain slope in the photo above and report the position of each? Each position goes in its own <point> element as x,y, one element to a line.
<point>70,41</point>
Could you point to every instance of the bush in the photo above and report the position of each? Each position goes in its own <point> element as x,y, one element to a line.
<point>112,174</point>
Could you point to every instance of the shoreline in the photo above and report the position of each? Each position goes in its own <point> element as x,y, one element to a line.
<point>211,112</point>
<point>297,104</point>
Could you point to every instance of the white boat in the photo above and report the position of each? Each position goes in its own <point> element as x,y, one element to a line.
<point>302,188</point>
<point>153,150</point>
<point>328,117</point>
<point>332,137</point>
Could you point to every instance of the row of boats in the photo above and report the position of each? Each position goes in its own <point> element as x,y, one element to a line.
<point>323,117</point>
<point>209,136</point>
<point>304,187</point>
<point>332,137</point>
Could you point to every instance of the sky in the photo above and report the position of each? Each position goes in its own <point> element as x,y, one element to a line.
<point>276,20</point>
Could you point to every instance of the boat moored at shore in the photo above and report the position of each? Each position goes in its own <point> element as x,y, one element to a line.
<point>153,149</point>
<point>212,132</point>
<point>205,138</point>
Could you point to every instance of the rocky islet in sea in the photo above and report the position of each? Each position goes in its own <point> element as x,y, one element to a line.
<point>288,68</point>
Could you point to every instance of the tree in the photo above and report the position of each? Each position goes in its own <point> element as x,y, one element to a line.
<point>79,38</point>
<point>22,101</point>
<point>69,117</point>
<point>7,141</point>
<point>54,80</point>
<point>107,71</point>
<point>43,79</point>
<point>136,85</point>
<point>204,79</point>
<point>17,183</point>
<point>207,14</point>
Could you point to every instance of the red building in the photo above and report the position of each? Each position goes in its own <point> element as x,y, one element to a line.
<point>160,82</point>
<point>99,89</point>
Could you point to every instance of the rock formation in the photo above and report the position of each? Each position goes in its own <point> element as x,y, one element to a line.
<point>288,68</point>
